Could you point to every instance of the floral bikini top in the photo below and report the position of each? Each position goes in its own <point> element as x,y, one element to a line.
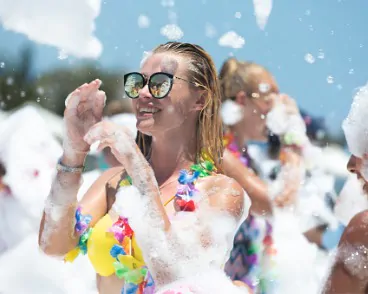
<point>111,246</point>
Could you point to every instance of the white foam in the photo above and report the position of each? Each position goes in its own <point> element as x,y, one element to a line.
<point>168,3</point>
<point>262,11</point>
<point>296,258</point>
<point>355,125</point>
<point>127,120</point>
<point>330,79</point>
<point>231,39</point>
<point>351,200</point>
<point>210,30</point>
<point>30,153</point>
<point>25,269</point>
<point>231,112</point>
<point>198,243</point>
<point>355,259</point>
<point>172,32</point>
<point>143,21</point>
<point>309,58</point>
<point>70,24</point>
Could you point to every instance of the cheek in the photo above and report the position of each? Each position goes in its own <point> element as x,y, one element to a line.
<point>134,105</point>
<point>180,103</point>
<point>177,108</point>
<point>265,107</point>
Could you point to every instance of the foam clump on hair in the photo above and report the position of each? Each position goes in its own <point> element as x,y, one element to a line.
<point>355,125</point>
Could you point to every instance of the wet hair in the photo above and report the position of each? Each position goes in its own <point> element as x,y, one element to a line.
<point>2,170</point>
<point>274,146</point>
<point>236,76</point>
<point>316,126</point>
<point>202,72</point>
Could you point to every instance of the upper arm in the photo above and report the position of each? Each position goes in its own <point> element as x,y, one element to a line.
<point>350,270</point>
<point>94,201</point>
<point>249,181</point>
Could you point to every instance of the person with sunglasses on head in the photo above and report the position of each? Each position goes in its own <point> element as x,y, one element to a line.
<point>249,93</point>
<point>166,217</point>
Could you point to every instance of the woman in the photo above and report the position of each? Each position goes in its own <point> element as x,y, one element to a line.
<point>179,128</point>
<point>249,92</point>
<point>350,270</point>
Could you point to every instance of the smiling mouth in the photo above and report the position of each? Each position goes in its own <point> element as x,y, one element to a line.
<point>147,111</point>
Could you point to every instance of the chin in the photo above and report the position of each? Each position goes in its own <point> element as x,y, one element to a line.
<point>145,127</point>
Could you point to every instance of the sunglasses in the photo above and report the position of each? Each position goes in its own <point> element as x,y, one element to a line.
<point>159,84</point>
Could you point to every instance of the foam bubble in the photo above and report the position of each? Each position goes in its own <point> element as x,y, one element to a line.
<point>210,30</point>
<point>231,112</point>
<point>355,259</point>
<point>143,21</point>
<point>262,11</point>
<point>76,35</point>
<point>309,58</point>
<point>355,125</point>
<point>172,32</point>
<point>231,39</point>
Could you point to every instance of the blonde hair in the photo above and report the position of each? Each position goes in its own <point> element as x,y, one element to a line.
<point>236,76</point>
<point>202,72</point>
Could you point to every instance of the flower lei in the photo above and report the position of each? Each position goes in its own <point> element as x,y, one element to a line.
<point>139,280</point>
<point>187,179</point>
<point>137,277</point>
<point>84,231</point>
<point>230,144</point>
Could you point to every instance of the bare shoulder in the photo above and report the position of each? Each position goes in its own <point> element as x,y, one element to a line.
<point>353,249</point>
<point>356,232</point>
<point>225,193</point>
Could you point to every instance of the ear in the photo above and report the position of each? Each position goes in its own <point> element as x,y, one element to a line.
<point>241,98</point>
<point>200,102</point>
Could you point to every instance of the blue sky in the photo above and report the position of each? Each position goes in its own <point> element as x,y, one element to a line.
<point>295,28</point>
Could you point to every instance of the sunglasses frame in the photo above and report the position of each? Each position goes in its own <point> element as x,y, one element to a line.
<point>146,81</point>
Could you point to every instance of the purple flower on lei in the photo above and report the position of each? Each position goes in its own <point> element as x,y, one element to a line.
<point>82,221</point>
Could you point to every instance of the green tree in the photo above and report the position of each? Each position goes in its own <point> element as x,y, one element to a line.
<point>54,86</point>
<point>16,85</point>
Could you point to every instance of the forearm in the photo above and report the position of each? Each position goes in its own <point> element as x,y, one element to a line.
<point>258,193</point>
<point>57,229</point>
<point>144,180</point>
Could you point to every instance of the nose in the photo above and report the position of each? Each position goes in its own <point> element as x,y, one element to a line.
<point>144,93</point>
<point>353,164</point>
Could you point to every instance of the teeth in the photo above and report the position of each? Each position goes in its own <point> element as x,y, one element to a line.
<point>146,109</point>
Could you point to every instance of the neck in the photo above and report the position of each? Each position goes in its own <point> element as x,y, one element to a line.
<point>239,135</point>
<point>172,151</point>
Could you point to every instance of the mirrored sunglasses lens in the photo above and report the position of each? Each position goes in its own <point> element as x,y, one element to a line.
<point>160,85</point>
<point>132,85</point>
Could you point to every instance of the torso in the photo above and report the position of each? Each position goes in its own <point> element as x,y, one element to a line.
<point>112,284</point>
